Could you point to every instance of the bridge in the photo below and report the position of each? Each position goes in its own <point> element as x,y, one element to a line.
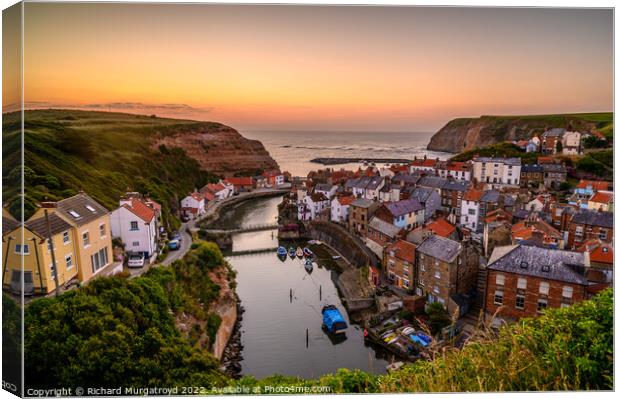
<point>246,229</point>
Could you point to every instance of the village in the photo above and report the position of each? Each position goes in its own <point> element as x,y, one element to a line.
<point>490,240</point>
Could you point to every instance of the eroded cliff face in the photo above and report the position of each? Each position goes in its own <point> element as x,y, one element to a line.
<point>466,134</point>
<point>221,150</point>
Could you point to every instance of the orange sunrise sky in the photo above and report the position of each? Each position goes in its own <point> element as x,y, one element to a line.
<point>312,68</point>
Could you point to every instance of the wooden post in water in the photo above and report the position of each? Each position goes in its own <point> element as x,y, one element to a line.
<point>291,296</point>
<point>306,337</point>
<point>320,293</point>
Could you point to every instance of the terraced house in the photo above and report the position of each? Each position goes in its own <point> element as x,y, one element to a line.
<point>497,171</point>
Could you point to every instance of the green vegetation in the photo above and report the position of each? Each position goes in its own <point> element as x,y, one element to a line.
<point>600,163</point>
<point>122,332</point>
<point>104,154</point>
<point>565,349</point>
<point>499,150</point>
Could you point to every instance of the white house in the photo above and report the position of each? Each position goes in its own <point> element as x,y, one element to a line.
<point>422,164</point>
<point>311,206</point>
<point>537,204</point>
<point>457,170</point>
<point>328,190</point>
<point>470,208</point>
<point>389,193</point>
<point>219,190</point>
<point>571,143</point>
<point>193,205</point>
<point>497,171</point>
<point>375,184</point>
<point>135,223</point>
<point>339,212</point>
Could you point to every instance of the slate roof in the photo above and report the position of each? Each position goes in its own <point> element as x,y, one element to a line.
<point>86,209</point>
<point>384,227</point>
<point>440,248</point>
<point>490,196</point>
<point>433,182</point>
<point>456,185</point>
<point>404,207</point>
<point>554,168</point>
<point>551,264</point>
<point>594,218</point>
<point>374,182</point>
<point>421,193</point>
<point>554,132</point>
<point>323,187</point>
<point>532,169</point>
<point>521,214</point>
<point>39,226</point>
<point>8,224</point>
<point>406,178</point>
<point>362,203</point>
<point>506,161</point>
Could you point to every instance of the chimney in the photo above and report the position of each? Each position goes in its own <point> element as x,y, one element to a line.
<point>48,205</point>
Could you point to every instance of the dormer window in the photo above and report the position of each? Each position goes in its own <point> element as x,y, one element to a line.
<point>523,265</point>
<point>546,268</point>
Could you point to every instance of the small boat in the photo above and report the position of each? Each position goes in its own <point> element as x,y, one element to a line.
<point>333,322</point>
<point>281,251</point>
<point>336,257</point>
<point>308,253</point>
<point>299,252</point>
<point>394,366</point>
<point>308,265</point>
<point>291,252</point>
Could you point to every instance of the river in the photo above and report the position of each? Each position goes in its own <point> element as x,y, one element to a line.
<point>273,330</point>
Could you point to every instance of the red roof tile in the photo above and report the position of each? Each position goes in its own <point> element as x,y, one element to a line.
<point>600,252</point>
<point>403,250</point>
<point>424,162</point>
<point>141,210</point>
<point>441,227</point>
<point>473,195</point>
<point>595,184</point>
<point>240,181</point>
<point>602,197</point>
<point>346,200</point>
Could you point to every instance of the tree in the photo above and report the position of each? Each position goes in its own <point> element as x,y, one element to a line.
<point>558,147</point>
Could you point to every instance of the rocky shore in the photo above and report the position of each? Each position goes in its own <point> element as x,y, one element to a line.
<point>231,357</point>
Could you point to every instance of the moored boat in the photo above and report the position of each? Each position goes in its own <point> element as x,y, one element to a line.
<point>281,251</point>
<point>333,322</point>
<point>299,252</point>
<point>308,253</point>
<point>291,252</point>
<point>308,265</point>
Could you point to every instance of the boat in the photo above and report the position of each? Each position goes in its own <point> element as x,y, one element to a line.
<point>281,251</point>
<point>299,252</point>
<point>394,366</point>
<point>291,252</point>
<point>333,322</point>
<point>308,253</point>
<point>308,265</point>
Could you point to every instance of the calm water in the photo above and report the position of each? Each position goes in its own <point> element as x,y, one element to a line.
<point>294,150</point>
<point>273,328</point>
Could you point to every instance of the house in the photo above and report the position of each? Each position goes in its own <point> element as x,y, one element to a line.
<point>328,190</point>
<point>532,175</point>
<point>405,214</point>
<point>444,271</point>
<point>399,263</point>
<point>260,181</point>
<point>430,200</point>
<point>571,143</point>
<point>219,190</point>
<point>360,212</point>
<point>457,170</point>
<point>497,171</point>
<point>489,201</point>
<point>587,224</point>
<point>136,223</point>
<point>601,201</point>
<point>532,145</point>
<point>433,182</point>
<point>193,205</point>
<point>470,208</point>
<point>601,256</point>
<point>340,208</point>
<point>380,234</point>
<point>389,192</point>
<point>537,204</point>
<point>312,206</point>
<point>550,140</point>
<point>241,184</point>
<point>92,240</point>
<point>523,281</point>
<point>554,175</point>
<point>423,164</point>
<point>39,273</point>
<point>372,189</point>
<point>535,231</point>
<point>451,197</point>
<point>406,179</point>
<point>274,178</point>
<point>442,228</point>
<point>586,188</point>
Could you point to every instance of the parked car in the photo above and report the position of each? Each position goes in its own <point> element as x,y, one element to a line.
<point>177,236</point>
<point>174,244</point>
<point>135,260</point>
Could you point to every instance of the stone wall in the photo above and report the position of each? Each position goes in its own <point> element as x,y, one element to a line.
<point>342,241</point>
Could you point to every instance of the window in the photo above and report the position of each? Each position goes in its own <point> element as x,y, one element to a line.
<point>86,239</point>
<point>509,181</point>
<point>90,208</point>
<point>567,291</point>
<point>471,211</point>
<point>543,288</point>
<point>579,231</point>
<point>65,237</point>
<point>99,260</point>
<point>498,298</point>
<point>22,249</point>
<point>49,245</point>
<point>405,283</point>
<point>542,304</point>
<point>500,279</point>
<point>602,234</point>
<point>422,268</point>
<point>74,214</point>
<point>68,262</point>
<point>436,289</point>
<point>53,271</point>
<point>520,302</point>
<point>421,256</point>
<point>102,230</point>
<point>135,244</point>
<point>133,225</point>
<point>437,274</point>
<point>521,283</point>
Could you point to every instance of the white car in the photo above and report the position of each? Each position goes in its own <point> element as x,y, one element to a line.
<point>135,260</point>
<point>408,330</point>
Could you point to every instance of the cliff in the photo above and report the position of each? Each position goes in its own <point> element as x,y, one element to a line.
<point>220,149</point>
<point>465,134</point>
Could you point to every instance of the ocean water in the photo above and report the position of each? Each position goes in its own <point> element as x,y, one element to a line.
<point>293,150</point>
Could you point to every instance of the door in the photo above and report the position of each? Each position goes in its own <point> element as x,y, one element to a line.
<point>16,286</point>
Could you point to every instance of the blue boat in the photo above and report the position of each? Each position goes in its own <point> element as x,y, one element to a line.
<point>308,265</point>
<point>291,252</point>
<point>333,322</point>
<point>420,338</point>
<point>281,251</point>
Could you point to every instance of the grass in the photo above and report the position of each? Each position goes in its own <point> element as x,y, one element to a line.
<point>104,154</point>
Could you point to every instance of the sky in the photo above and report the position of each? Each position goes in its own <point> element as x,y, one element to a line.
<point>316,68</point>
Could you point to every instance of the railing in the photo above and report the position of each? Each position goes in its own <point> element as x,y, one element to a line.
<point>256,227</point>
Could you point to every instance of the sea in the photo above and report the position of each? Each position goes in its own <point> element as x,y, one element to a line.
<point>293,150</point>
